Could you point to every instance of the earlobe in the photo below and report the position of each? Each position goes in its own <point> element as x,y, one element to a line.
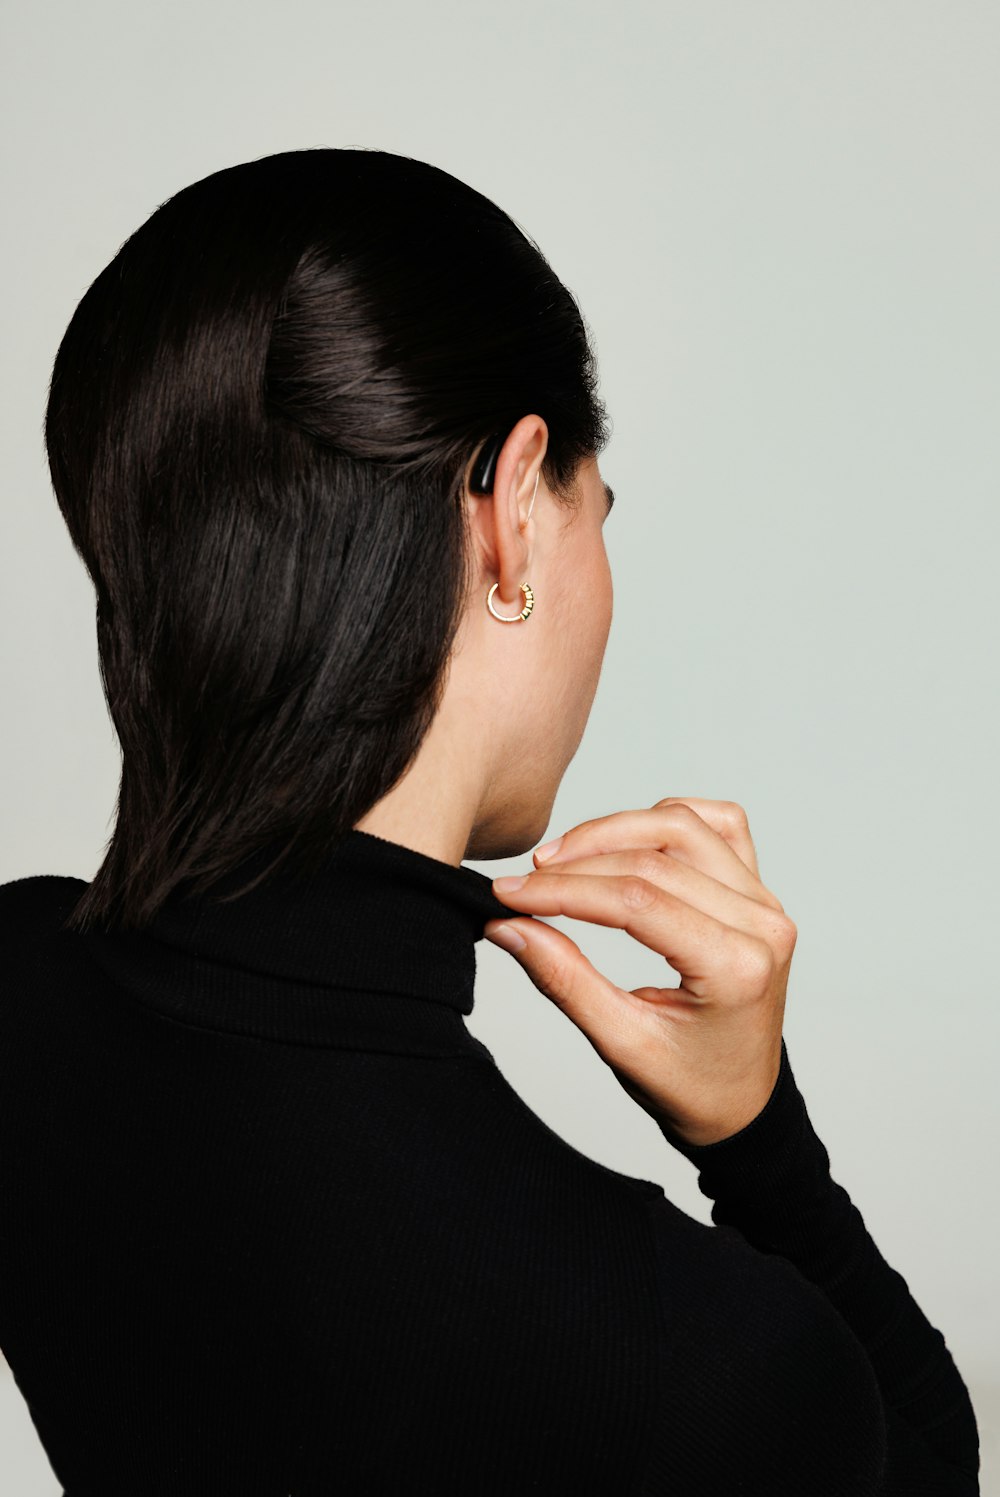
<point>512,618</point>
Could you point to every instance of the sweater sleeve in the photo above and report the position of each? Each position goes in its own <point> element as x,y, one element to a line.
<point>771,1182</point>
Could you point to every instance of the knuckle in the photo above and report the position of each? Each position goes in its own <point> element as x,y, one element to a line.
<point>645,863</point>
<point>735,813</point>
<point>680,813</point>
<point>785,932</point>
<point>637,893</point>
<point>683,811</point>
<point>753,963</point>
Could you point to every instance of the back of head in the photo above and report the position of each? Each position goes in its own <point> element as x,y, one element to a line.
<point>258,426</point>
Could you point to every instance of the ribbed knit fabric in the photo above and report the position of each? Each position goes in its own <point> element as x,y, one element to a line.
<point>274,1224</point>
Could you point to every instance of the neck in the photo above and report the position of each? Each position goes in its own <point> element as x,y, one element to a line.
<point>434,806</point>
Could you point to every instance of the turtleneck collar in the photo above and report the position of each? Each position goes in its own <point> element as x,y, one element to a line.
<point>328,960</point>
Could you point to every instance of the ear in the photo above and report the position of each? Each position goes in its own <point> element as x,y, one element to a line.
<point>502,531</point>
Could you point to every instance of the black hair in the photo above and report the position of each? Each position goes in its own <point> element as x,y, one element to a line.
<point>259,423</point>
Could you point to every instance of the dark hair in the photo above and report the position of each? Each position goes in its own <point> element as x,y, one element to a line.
<point>258,428</point>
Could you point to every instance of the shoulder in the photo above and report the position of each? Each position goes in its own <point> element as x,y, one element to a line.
<point>37,953</point>
<point>41,890</point>
<point>36,906</point>
<point>589,1183</point>
<point>755,1355</point>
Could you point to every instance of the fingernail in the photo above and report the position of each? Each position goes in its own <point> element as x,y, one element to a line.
<point>507,937</point>
<point>510,883</point>
<point>547,849</point>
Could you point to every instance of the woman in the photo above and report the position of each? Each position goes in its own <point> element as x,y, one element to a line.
<point>325,433</point>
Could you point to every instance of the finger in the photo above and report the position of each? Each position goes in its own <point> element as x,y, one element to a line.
<point>676,829</point>
<point>752,912</point>
<point>725,817</point>
<point>609,1016</point>
<point>700,947</point>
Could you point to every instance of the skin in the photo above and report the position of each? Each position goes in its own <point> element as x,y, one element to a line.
<point>680,877</point>
<point>518,695</point>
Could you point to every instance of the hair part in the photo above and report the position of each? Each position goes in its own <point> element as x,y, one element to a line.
<point>258,427</point>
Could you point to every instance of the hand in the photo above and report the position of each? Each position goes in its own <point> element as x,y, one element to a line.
<point>701,1058</point>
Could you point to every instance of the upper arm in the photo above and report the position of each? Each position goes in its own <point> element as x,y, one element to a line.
<point>765,1388</point>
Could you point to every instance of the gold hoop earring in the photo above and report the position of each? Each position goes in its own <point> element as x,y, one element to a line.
<point>511,618</point>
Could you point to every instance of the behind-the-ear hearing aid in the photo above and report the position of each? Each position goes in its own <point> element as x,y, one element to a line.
<point>484,468</point>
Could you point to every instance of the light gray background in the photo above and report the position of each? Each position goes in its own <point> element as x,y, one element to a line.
<point>782,221</point>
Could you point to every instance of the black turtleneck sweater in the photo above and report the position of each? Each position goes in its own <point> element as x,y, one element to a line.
<point>274,1224</point>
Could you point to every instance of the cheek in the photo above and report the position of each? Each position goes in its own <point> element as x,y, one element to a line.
<point>583,606</point>
<point>599,595</point>
<point>609,592</point>
<point>603,595</point>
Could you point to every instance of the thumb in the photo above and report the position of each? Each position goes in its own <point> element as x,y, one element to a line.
<point>561,972</point>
